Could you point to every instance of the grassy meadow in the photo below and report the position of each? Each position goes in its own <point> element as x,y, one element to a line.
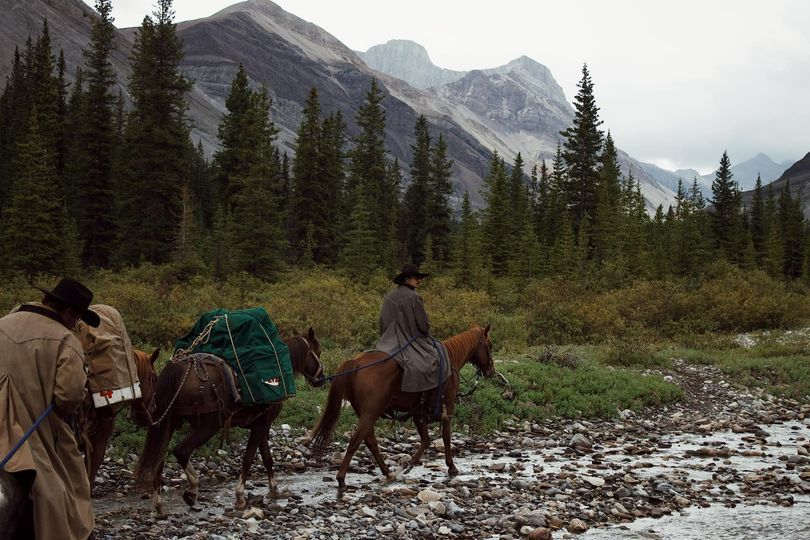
<point>571,348</point>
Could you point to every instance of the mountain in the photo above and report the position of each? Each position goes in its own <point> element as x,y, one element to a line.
<point>745,173</point>
<point>798,175</point>
<point>69,24</point>
<point>518,107</point>
<point>410,62</point>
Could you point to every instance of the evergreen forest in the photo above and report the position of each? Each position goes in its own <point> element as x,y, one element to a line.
<point>89,181</point>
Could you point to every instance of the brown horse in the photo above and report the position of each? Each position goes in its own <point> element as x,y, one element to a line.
<point>195,389</point>
<point>98,424</point>
<point>375,390</point>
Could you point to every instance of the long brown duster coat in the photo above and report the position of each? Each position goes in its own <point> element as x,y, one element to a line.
<point>41,361</point>
<point>424,361</point>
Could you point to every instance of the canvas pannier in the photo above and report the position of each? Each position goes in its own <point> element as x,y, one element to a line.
<point>250,343</point>
<point>112,375</point>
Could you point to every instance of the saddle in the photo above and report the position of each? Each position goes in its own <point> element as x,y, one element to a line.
<point>229,391</point>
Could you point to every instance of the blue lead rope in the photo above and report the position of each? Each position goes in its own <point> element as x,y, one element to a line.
<point>440,385</point>
<point>26,436</point>
<point>380,361</point>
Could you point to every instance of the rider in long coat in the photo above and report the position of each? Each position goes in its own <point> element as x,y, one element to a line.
<point>403,317</point>
<point>41,361</point>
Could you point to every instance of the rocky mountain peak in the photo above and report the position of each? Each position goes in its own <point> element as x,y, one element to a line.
<point>409,61</point>
<point>313,41</point>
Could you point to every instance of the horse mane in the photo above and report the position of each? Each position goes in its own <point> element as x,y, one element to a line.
<point>459,345</point>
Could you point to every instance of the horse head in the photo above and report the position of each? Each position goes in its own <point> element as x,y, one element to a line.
<point>142,408</point>
<point>310,365</point>
<point>482,355</point>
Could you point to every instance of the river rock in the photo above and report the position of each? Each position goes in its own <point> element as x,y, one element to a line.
<point>580,442</point>
<point>595,481</point>
<point>577,526</point>
<point>540,533</point>
<point>428,495</point>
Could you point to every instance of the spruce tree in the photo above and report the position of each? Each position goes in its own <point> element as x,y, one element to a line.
<point>439,211</point>
<point>369,173</point>
<point>258,242</point>
<point>95,207</point>
<point>234,156</point>
<point>466,258</point>
<point>758,223</point>
<point>33,221</point>
<point>356,259</point>
<point>725,217</point>
<point>496,218</point>
<point>309,202</point>
<point>791,229</point>
<point>157,141</point>
<point>332,170</point>
<point>417,194</point>
<point>582,150</point>
<point>608,195</point>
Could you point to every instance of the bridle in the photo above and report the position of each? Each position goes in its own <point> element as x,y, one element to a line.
<point>312,380</point>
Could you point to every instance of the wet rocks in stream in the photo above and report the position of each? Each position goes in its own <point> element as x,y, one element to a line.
<point>550,479</point>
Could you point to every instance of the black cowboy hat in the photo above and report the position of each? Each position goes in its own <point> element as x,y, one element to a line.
<point>77,296</point>
<point>407,271</point>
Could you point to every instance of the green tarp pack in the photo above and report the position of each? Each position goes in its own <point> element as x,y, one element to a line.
<point>249,341</point>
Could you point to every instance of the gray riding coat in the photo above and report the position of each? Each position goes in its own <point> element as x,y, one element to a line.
<point>402,317</point>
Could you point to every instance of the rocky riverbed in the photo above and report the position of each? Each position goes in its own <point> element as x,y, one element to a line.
<point>718,460</point>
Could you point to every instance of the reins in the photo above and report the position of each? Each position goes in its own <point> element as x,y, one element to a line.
<point>331,378</point>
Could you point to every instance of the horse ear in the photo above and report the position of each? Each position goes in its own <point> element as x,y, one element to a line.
<point>154,356</point>
<point>311,334</point>
<point>486,330</point>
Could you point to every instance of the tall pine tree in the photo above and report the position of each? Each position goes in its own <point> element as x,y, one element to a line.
<point>157,140</point>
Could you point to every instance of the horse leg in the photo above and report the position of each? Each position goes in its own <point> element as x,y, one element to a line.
<point>365,425</point>
<point>267,459</point>
<point>448,450</point>
<point>157,483</point>
<point>247,463</point>
<point>422,429</point>
<point>371,443</point>
<point>199,434</point>
<point>105,425</point>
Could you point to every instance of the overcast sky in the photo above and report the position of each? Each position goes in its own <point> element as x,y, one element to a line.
<point>677,82</point>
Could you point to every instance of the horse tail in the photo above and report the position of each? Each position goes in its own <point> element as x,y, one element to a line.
<point>159,435</point>
<point>325,428</point>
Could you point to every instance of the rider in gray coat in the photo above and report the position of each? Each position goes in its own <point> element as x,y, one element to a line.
<point>403,317</point>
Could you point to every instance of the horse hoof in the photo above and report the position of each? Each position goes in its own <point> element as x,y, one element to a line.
<point>240,505</point>
<point>408,468</point>
<point>189,497</point>
<point>452,471</point>
<point>161,515</point>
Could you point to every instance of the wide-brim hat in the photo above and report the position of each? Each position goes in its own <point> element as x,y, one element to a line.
<point>77,296</point>
<point>407,271</point>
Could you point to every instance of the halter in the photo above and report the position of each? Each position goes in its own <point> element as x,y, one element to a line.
<point>312,379</point>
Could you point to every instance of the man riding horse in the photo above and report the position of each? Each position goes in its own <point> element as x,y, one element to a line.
<point>405,334</point>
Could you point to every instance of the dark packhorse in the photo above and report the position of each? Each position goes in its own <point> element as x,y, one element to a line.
<point>376,390</point>
<point>195,389</point>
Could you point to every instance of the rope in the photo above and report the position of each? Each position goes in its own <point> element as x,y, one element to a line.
<point>177,393</point>
<point>25,437</point>
<point>380,361</point>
